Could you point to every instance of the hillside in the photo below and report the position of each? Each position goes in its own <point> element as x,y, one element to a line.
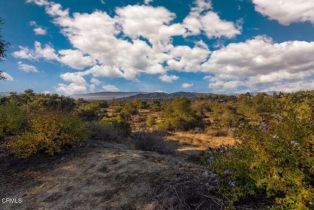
<point>104,95</point>
<point>139,95</point>
<point>102,175</point>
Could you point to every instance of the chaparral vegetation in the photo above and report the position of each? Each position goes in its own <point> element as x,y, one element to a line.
<point>270,164</point>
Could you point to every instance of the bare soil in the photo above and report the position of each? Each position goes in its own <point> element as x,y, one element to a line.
<point>100,175</point>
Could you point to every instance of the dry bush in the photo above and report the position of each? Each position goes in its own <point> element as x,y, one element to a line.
<point>153,142</point>
<point>118,123</point>
<point>104,132</point>
<point>184,192</point>
<point>218,132</point>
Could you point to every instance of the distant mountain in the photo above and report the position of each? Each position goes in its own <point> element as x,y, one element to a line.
<point>105,95</point>
<point>138,95</point>
<point>3,94</point>
<point>166,96</point>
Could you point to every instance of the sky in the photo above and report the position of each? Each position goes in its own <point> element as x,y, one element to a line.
<point>217,46</point>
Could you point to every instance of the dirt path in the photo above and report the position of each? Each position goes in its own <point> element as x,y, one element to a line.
<point>109,177</point>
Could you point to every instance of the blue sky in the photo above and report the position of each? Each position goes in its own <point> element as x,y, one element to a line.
<point>220,46</point>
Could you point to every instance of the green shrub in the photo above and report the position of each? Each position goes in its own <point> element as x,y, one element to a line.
<point>118,123</point>
<point>155,106</point>
<point>128,110</point>
<point>48,132</point>
<point>90,111</point>
<point>151,121</point>
<point>178,115</point>
<point>275,159</point>
<point>12,119</point>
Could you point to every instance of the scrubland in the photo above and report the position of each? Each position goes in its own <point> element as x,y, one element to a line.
<point>223,152</point>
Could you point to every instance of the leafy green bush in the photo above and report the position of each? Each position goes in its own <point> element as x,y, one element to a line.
<point>151,121</point>
<point>90,111</point>
<point>118,123</point>
<point>178,115</point>
<point>128,110</point>
<point>48,132</point>
<point>155,106</point>
<point>34,101</point>
<point>12,119</point>
<point>275,159</point>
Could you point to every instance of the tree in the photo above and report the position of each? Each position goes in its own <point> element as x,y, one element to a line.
<point>3,46</point>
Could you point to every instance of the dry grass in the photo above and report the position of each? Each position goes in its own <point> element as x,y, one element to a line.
<point>199,141</point>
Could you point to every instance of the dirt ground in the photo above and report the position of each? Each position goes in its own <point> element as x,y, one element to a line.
<point>192,143</point>
<point>111,176</point>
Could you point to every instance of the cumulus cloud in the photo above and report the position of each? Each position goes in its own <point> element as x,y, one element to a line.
<point>287,11</point>
<point>201,18</point>
<point>95,81</point>
<point>100,40</point>
<point>292,86</point>
<point>75,84</point>
<point>187,85</point>
<point>7,76</point>
<point>71,89</point>
<point>184,58</point>
<point>110,88</point>
<point>139,39</point>
<point>38,30</point>
<point>155,26</point>
<point>148,1</point>
<point>168,78</point>
<point>26,67</point>
<point>259,62</point>
<point>39,52</point>
<point>75,59</point>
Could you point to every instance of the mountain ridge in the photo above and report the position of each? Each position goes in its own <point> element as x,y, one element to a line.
<point>138,95</point>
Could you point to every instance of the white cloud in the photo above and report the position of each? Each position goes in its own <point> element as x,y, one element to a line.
<point>201,18</point>
<point>148,1</point>
<point>215,27</point>
<point>38,30</point>
<point>74,78</point>
<point>39,52</point>
<point>95,81</point>
<point>26,67</point>
<point>110,88</point>
<point>150,22</point>
<point>259,62</point>
<point>101,39</point>
<point>287,11</point>
<point>75,59</point>
<point>184,58</point>
<point>138,39</point>
<point>76,84</point>
<point>71,89</point>
<point>39,2</point>
<point>7,76</point>
<point>187,85</point>
<point>291,87</point>
<point>168,78</point>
